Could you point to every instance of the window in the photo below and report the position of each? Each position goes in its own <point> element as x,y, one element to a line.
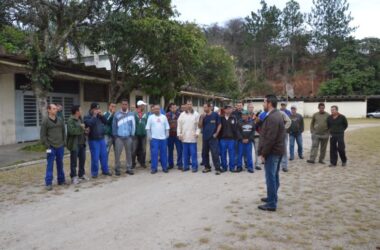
<point>30,111</point>
<point>67,105</point>
<point>95,92</point>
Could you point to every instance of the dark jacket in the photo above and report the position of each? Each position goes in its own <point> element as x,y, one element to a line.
<point>96,125</point>
<point>338,125</point>
<point>272,134</point>
<point>75,133</point>
<point>246,130</point>
<point>108,127</point>
<point>173,122</point>
<point>52,132</point>
<point>140,124</point>
<point>229,128</point>
<point>297,125</point>
<point>237,115</point>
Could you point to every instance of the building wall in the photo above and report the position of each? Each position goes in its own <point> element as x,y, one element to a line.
<point>7,109</point>
<point>351,109</point>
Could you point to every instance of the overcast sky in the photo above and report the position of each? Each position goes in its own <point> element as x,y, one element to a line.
<point>366,13</point>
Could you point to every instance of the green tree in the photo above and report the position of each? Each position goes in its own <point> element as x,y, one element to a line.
<point>293,30</point>
<point>264,28</point>
<point>12,40</point>
<point>50,26</point>
<point>351,74</point>
<point>170,52</point>
<point>330,23</point>
<point>115,31</point>
<point>217,71</point>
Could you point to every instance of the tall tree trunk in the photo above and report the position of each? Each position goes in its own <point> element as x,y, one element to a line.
<point>41,98</point>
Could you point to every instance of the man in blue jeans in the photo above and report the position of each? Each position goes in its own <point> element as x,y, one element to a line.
<point>157,128</point>
<point>228,136</point>
<point>188,132</point>
<point>53,138</point>
<point>295,133</point>
<point>95,122</point>
<point>172,115</point>
<point>210,123</point>
<point>246,137</point>
<point>271,149</point>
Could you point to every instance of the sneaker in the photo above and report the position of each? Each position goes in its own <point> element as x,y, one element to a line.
<point>322,162</point>
<point>170,167</point>
<point>117,173</point>
<point>206,170</point>
<point>310,161</point>
<point>153,172</point>
<point>185,169</point>
<point>165,171</point>
<point>180,168</point>
<point>49,187</point>
<point>107,174</point>
<point>301,157</point>
<point>62,183</point>
<point>94,176</point>
<point>344,164</point>
<point>75,180</point>
<point>285,170</point>
<point>290,159</point>
<point>251,171</point>
<point>143,166</point>
<point>217,172</point>
<point>194,170</point>
<point>332,165</point>
<point>84,178</point>
<point>258,168</point>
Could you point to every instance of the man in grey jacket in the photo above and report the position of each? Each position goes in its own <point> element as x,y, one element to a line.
<point>123,129</point>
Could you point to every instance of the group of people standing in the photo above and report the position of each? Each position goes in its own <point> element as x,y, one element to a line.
<point>249,139</point>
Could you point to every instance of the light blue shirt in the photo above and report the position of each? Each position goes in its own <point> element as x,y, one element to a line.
<point>158,126</point>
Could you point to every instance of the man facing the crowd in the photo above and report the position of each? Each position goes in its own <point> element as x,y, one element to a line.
<point>123,129</point>
<point>139,140</point>
<point>319,134</point>
<point>76,143</point>
<point>188,133</point>
<point>172,115</point>
<point>157,128</point>
<point>271,149</point>
<point>53,138</point>
<point>95,122</point>
<point>110,141</point>
<point>210,123</point>
<point>295,133</point>
<point>337,124</point>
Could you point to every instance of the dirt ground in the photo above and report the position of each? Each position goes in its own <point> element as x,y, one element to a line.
<point>319,207</point>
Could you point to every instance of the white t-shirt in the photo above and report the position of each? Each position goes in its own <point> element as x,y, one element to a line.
<point>158,125</point>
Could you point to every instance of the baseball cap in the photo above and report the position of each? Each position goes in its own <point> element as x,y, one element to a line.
<point>94,105</point>
<point>227,107</point>
<point>141,102</point>
<point>245,112</point>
